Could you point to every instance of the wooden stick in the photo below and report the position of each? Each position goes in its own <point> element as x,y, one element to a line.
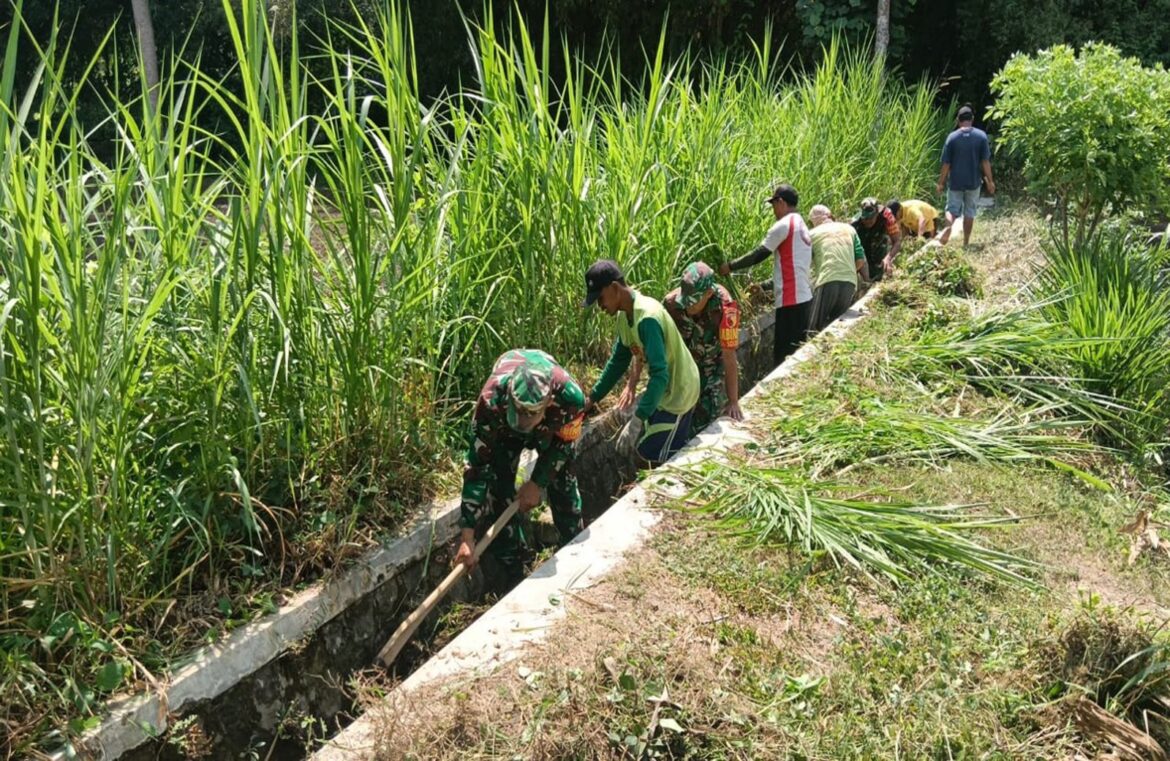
<point>1129,741</point>
<point>407,628</point>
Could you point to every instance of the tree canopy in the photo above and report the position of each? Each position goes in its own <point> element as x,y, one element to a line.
<point>963,43</point>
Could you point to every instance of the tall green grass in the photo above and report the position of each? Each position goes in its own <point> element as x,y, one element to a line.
<point>215,341</point>
<point>1094,342</point>
<point>1115,289</point>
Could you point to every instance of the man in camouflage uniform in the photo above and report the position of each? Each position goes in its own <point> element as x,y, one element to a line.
<point>881,236</point>
<point>708,319</point>
<point>529,402</point>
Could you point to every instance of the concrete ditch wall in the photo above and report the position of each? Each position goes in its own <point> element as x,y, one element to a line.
<point>258,685</point>
<point>530,610</point>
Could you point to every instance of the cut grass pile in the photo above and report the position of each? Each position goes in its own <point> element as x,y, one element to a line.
<point>777,506</point>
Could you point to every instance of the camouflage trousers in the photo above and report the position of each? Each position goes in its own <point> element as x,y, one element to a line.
<point>512,547</point>
<point>712,396</point>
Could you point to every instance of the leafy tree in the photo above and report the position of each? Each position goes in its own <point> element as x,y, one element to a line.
<point>1091,128</point>
<point>887,22</point>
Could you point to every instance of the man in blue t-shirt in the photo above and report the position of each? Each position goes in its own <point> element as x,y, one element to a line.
<point>966,157</point>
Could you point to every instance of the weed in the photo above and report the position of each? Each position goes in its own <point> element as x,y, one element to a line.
<point>1119,663</point>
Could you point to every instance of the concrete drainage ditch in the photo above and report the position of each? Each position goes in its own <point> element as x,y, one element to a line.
<point>266,686</point>
<point>530,610</point>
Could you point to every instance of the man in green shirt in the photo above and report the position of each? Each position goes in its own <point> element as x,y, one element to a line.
<point>661,423</point>
<point>838,260</point>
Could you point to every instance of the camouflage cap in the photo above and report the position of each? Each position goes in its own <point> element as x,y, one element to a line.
<point>696,281</point>
<point>529,390</point>
<point>869,207</point>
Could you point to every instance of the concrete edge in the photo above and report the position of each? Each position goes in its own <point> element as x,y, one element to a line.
<point>527,613</point>
<point>213,669</point>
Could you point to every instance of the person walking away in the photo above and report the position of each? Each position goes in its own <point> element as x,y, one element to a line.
<point>966,158</point>
<point>917,218</point>
<point>838,262</point>
<point>528,402</point>
<point>661,423</point>
<point>708,320</point>
<point>789,245</point>
<point>881,237</point>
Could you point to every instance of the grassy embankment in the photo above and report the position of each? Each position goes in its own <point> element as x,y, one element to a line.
<point>724,639</point>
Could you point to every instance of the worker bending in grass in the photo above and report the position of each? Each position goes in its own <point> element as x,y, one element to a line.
<point>529,402</point>
<point>788,244</point>
<point>661,422</point>
<point>917,218</point>
<point>839,265</point>
<point>708,320</point>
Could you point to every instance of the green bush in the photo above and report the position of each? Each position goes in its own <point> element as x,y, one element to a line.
<point>1090,128</point>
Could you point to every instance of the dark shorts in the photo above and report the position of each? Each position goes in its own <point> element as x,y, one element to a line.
<point>665,433</point>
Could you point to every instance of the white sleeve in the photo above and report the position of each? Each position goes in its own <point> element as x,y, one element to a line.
<point>777,233</point>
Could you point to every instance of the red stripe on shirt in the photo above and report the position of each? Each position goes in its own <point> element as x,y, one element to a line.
<point>891,222</point>
<point>787,268</point>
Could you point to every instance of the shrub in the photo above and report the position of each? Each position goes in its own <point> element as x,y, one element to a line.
<point>1091,130</point>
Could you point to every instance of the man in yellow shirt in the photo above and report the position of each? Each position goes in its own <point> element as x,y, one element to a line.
<point>917,218</point>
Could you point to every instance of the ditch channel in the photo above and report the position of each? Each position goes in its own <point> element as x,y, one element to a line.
<point>274,688</point>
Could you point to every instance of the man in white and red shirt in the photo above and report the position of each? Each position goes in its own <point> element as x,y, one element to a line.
<point>789,244</point>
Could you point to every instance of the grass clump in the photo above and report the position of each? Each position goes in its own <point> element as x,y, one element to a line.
<point>902,293</point>
<point>1114,290</point>
<point>1119,662</point>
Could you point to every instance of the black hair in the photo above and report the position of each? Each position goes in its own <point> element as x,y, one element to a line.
<point>788,194</point>
<point>894,205</point>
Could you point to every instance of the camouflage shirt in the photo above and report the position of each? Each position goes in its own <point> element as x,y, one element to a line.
<point>711,331</point>
<point>876,238</point>
<point>554,438</point>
